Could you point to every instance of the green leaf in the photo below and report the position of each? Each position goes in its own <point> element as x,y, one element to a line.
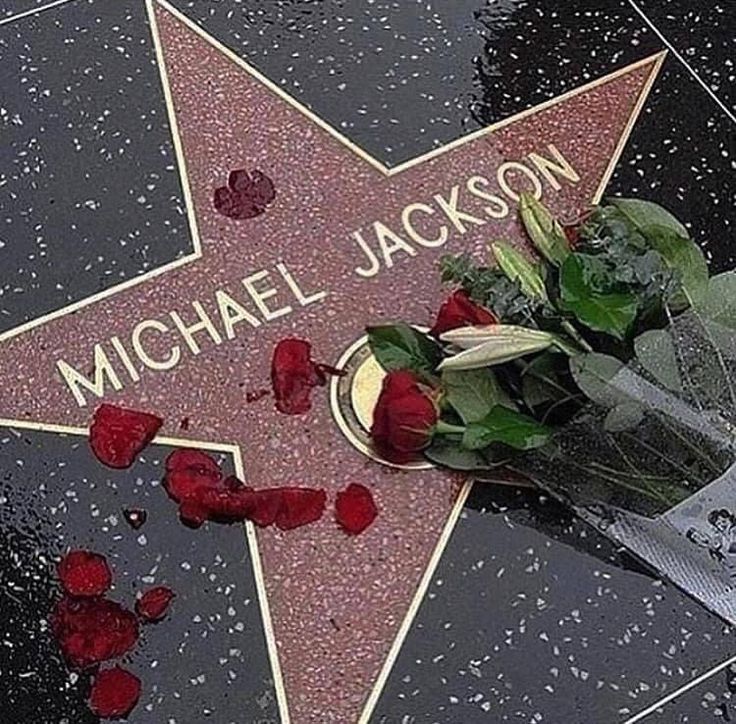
<point>625,416</point>
<point>508,427</point>
<point>449,453</point>
<point>646,213</point>
<point>684,256</point>
<point>519,269</point>
<point>399,346</point>
<point>581,277</point>
<point>543,229</point>
<point>493,345</point>
<point>593,373</point>
<point>541,383</point>
<point>472,393</point>
<point>655,350</point>
<point>718,303</point>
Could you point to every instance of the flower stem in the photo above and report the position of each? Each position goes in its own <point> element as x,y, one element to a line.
<point>570,329</point>
<point>445,428</point>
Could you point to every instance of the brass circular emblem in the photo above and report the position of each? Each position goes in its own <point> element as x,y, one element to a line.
<point>353,397</point>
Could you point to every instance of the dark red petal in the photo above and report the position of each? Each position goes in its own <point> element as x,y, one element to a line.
<point>154,603</point>
<point>263,190</point>
<point>135,517</point>
<point>117,435</point>
<point>240,181</point>
<point>266,504</point>
<point>92,630</point>
<point>84,574</point>
<point>235,205</point>
<point>114,693</point>
<point>300,506</point>
<point>188,471</point>
<point>294,374</point>
<point>355,509</point>
<point>225,505</point>
<point>192,513</point>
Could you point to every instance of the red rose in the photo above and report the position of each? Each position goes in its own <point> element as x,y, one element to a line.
<point>154,603</point>
<point>403,417</point>
<point>117,435</point>
<point>114,693</point>
<point>460,311</point>
<point>84,574</point>
<point>92,630</point>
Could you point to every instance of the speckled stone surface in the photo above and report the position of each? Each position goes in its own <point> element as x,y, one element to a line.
<point>398,78</point>
<point>532,616</point>
<point>207,660</point>
<point>89,187</point>
<point>703,34</point>
<point>333,628</point>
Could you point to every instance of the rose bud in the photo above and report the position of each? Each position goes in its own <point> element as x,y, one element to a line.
<point>460,311</point>
<point>404,417</point>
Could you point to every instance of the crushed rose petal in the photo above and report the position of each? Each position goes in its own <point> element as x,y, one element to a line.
<point>355,509</point>
<point>117,435</point>
<point>114,693</point>
<point>195,481</point>
<point>83,573</point>
<point>135,517</point>
<point>300,506</point>
<point>246,195</point>
<point>153,605</point>
<point>188,471</point>
<point>93,630</point>
<point>294,374</point>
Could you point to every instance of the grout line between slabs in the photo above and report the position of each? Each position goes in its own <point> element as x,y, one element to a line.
<point>33,11</point>
<point>684,62</point>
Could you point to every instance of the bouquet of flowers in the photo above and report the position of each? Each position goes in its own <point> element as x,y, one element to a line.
<point>601,370</point>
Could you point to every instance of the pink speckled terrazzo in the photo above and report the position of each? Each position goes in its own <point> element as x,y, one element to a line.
<point>336,602</point>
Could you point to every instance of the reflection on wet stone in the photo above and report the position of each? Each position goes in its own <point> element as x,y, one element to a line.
<point>523,580</point>
<point>207,659</point>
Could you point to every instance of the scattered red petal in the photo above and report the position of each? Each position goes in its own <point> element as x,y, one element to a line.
<point>195,481</point>
<point>192,513</point>
<point>154,603</point>
<point>114,693</point>
<point>300,506</point>
<point>84,574</point>
<point>246,195</point>
<point>266,504</point>
<point>294,374</point>
<point>92,630</point>
<point>355,509</point>
<point>188,471</point>
<point>118,435</point>
<point>135,517</point>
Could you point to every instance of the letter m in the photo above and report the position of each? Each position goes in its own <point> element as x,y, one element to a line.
<point>102,373</point>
